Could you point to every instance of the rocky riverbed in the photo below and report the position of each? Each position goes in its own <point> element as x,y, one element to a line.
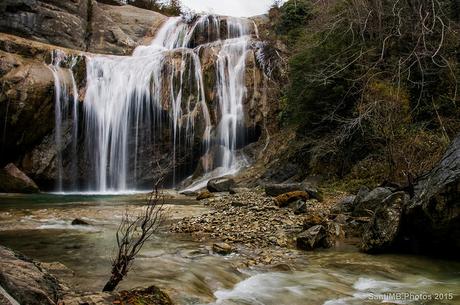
<point>252,224</point>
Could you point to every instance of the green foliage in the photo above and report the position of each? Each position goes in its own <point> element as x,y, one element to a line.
<point>293,15</point>
<point>366,76</point>
<point>168,8</point>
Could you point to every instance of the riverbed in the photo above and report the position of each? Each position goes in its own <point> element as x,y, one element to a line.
<point>40,227</point>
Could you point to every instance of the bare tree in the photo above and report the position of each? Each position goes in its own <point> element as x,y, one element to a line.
<point>134,231</point>
<point>132,234</point>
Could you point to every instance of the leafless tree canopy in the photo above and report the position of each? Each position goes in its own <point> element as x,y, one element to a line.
<point>133,232</point>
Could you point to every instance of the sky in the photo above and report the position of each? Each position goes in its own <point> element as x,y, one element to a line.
<point>238,8</point>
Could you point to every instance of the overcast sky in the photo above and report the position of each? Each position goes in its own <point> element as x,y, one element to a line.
<point>239,8</point>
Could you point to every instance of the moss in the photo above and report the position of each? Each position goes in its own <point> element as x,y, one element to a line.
<point>149,296</point>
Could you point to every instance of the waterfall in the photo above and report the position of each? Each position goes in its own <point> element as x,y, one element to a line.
<point>231,66</point>
<point>134,104</point>
<point>65,93</point>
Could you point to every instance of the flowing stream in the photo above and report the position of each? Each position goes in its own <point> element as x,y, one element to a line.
<point>39,226</point>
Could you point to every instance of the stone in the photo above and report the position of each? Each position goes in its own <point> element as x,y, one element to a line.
<point>362,192</point>
<point>222,248</point>
<point>57,269</point>
<point>151,295</point>
<point>283,200</point>
<point>344,206</point>
<point>334,232</point>
<point>383,229</point>
<point>276,189</point>
<point>311,238</point>
<point>13,180</point>
<point>341,219</point>
<point>431,220</point>
<point>370,202</point>
<point>299,207</point>
<point>221,185</point>
<point>204,195</point>
<point>26,281</point>
<point>189,193</point>
<point>313,220</point>
<point>79,222</point>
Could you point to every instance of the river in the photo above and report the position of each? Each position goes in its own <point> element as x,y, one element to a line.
<point>40,227</point>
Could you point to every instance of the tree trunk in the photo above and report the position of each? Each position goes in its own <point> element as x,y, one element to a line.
<point>112,283</point>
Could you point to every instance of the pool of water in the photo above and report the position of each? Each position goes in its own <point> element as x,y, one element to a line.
<point>40,227</point>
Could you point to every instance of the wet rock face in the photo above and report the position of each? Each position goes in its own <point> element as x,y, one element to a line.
<point>56,22</point>
<point>12,180</point>
<point>432,219</point>
<point>384,227</point>
<point>80,24</point>
<point>26,281</point>
<point>119,29</point>
<point>27,97</point>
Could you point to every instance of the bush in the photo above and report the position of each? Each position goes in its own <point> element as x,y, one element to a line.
<point>372,80</point>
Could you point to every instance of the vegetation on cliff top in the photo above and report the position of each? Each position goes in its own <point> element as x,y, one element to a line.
<point>373,85</point>
<point>168,8</point>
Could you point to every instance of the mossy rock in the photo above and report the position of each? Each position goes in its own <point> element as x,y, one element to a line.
<point>204,195</point>
<point>149,296</point>
<point>284,199</point>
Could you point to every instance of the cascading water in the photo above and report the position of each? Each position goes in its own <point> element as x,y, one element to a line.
<point>131,100</point>
<point>65,94</point>
<point>231,65</point>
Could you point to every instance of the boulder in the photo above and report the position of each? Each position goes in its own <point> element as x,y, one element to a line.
<point>334,232</point>
<point>313,220</point>
<point>26,281</point>
<point>79,222</point>
<point>362,192</point>
<point>221,185</point>
<point>283,200</point>
<point>370,202</point>
<point>276,189</point>
<point>383,229</point>
<point>344,206</point>
<point>299,207</point>
<point>320,236</point>
<point>204,195</point>
<point>431,221</point>
<point>222,248</point>
<point>13,180</point>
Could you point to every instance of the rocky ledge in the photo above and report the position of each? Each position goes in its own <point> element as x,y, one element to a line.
<point>28,282</point>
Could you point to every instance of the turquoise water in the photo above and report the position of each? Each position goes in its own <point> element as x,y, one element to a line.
<point>39,226</point>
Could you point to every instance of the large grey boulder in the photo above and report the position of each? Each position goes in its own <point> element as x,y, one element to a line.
<point>324,235</point>
<point>222,184</point>
<point>13,180</point>
<point>26,281</point>
<point>383,229</point>
<point>344,206</point>
<point>369,204</point>
<point>432,220</point>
